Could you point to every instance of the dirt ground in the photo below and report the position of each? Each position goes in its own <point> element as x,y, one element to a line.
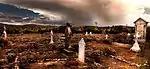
<point>124,53</point>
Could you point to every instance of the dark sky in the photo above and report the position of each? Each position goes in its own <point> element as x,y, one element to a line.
<point>78,11</point>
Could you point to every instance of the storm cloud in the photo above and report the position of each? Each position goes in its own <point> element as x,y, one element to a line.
<point>78,11</point>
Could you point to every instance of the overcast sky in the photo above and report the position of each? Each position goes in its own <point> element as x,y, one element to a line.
<point>105,12</point>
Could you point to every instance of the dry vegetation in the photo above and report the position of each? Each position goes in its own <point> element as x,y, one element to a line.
<point>35,48</point>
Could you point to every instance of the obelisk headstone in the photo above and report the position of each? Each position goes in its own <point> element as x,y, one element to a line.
<point>51,37</point>
<point>68,35</point>
<point>81,55</point>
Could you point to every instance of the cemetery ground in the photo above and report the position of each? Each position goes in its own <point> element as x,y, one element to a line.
<point>36,52</point>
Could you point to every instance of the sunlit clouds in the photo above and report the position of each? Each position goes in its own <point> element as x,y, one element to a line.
<point>105,12</point>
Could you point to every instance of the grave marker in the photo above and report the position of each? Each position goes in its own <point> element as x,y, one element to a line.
<point>16,61</point>
<point>51,37</point>
<point>106,36</point>
<point>90,33</point>
<point>140,28</point>
<point>5,34</point>
<point>136,47</point>
<point>81,55</point>
<point>86,33</point>
<point>68,35</point>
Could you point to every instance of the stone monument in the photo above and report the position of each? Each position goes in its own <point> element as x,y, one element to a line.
<point>5,34</point>
<point>81,55</point>
<point>51,37</point>
<point>141,28</point>
<point>136,47</point>
<point>68,35</point>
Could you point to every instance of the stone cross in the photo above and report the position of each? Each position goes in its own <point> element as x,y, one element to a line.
<point>81,55</point>
<point>136,47</point>
<point>86,33</point>
<point>106,36</point>
<point>51,37</point>
<point>68,35</point>
<point>90,33</point>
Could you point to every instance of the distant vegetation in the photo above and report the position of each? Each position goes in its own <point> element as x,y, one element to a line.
<point>11,29</point>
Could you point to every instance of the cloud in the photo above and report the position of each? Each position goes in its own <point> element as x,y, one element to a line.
<point>78,11</point>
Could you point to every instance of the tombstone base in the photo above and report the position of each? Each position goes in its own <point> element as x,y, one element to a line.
<point>142,40</point>
<point>51,42</point>
<point>69,53</point>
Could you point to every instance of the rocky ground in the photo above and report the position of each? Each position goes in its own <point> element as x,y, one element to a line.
<point>36,52</point>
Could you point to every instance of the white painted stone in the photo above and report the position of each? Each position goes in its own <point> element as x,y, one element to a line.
<point>137,35</point>
<point>5,34</point>
<point>52,37</point>
<point>136,47</point>
<point>69,30</point>
<point>128,34</point>
<point>81,55</point>
<point>16,61</point>
<point>90,33</point>
<point>106,36</point>
<point>86,33</point>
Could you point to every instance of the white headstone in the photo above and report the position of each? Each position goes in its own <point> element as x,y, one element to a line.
<point>5,34</point>
<point>52,37</point>
<point>69,30</point>
<point>136,47</point>
<point>90,33</point>
<point>16,61</point>
<point>81,50</point>
<point>106,36</point>
<point>128,34</point>
<point>86,33</point>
